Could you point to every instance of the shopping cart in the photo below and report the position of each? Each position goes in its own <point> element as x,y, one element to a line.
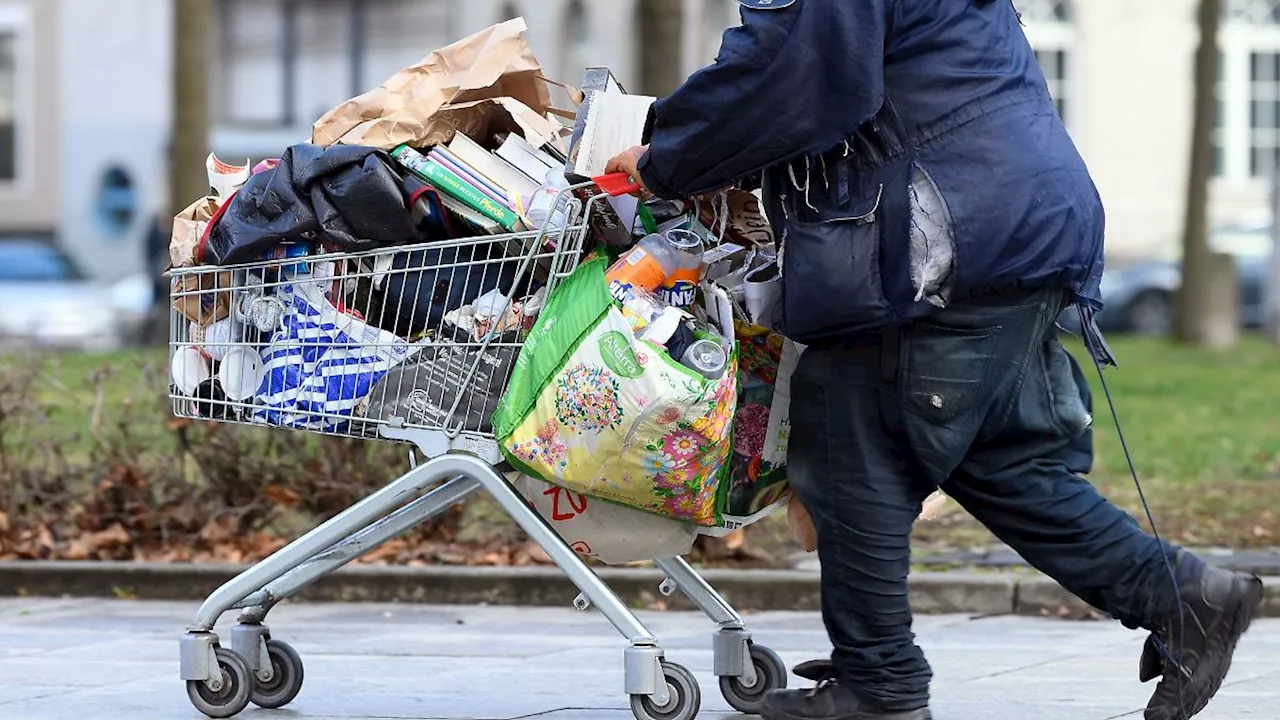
<point>274,325</point>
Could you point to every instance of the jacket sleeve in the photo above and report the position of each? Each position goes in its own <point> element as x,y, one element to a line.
<point>787,82</point>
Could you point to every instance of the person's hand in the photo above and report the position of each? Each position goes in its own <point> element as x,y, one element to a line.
<point>626,162</point>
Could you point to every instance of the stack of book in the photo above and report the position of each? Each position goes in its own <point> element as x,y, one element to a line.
<point>486,189</point>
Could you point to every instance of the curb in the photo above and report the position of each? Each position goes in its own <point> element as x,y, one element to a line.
<point>969,593</point>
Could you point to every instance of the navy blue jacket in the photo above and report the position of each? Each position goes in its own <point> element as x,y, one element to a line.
<point>839,106</point>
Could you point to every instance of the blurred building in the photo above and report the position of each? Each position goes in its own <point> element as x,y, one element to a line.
<point>85,95</point>
<point>84,120</point>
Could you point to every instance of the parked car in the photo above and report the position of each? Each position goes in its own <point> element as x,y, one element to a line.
<point>1139,296</point>
<point>46,301</point>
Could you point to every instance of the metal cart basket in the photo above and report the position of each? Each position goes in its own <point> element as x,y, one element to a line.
<point>302,343</point>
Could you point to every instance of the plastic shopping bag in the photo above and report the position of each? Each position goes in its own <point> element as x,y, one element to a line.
<point>610,533</point>
<point>321,364</point>
<point>761,427</point>
<point>592,409</point>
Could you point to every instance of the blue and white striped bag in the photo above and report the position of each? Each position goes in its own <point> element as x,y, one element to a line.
<point>321,363</point>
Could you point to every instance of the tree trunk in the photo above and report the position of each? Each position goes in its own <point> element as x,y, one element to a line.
<point>1208,306</point>
<point>661,44</point>
<point>188,179</point>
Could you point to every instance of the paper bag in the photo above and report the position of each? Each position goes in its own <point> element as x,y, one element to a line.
<point>204,298</point>
<point>426,103</point>
<point>188,227</point>
<point>610,533</point>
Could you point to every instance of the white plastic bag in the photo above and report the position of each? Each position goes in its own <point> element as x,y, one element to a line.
<point>599,529</point>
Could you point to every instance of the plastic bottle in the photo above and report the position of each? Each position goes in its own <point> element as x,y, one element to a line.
<point>545,208</point>
<point>645,266</point>
<point>705,357</point>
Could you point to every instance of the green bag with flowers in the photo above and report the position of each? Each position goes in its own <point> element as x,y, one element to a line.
<point>593,409</point>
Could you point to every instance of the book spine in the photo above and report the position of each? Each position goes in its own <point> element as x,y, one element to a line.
<point>450,183</point>
<point>465,171</point>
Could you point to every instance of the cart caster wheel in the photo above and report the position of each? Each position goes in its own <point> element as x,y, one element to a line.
<point>233,697</point>
<point>685,700</point>
<point>771,674</point>
<point>286,677</point>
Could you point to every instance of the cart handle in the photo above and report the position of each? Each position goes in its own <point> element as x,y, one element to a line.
<point>616,184</point>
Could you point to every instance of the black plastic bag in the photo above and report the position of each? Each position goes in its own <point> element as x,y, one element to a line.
<point>423,285</point>
<point>348,197</point>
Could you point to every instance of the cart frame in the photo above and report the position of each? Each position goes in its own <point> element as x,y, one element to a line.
<point>222,682</point>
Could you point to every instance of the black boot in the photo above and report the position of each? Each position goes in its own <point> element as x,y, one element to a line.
<point>828,701</point>
<point>1192,652</point>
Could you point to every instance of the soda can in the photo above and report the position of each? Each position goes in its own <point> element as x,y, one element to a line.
<point>707,358</point>
<point>289,251</point>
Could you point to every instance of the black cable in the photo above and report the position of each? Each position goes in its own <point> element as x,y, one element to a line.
<point>1086,324</point>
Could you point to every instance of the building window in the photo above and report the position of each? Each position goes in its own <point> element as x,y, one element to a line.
<point>252,63</point>
<point>1247,136</point>
<point>401,33</point>
<point>284,63</point>
<point>1050,30</point>
<point>8,105</point>
<point>576,46</point>
<point>14,94</point>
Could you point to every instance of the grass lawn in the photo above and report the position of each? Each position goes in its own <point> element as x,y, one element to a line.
<point>1203,428</point>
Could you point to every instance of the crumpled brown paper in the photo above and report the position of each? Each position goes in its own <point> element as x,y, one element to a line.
<point>456,88</point>
<point>188,228</point>
<point>203,298</point>
<point>805,534</point>
<point>738,215</point>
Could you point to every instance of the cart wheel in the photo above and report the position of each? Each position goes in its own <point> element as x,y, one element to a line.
<point>686,697</point>
<point>237,685</point>
<point>286,677</point>
<point>771,674</point>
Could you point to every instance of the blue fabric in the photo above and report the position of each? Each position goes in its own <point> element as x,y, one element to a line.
<point>986,404</point>
<point>321,364</point>
<point>949,88</point>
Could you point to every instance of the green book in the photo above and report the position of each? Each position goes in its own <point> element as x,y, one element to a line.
<point>456,187</point>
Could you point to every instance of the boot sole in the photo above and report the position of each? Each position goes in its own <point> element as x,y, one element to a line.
<point>1250,602</point>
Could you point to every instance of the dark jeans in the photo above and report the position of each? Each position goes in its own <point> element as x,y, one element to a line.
<point>983,401</point>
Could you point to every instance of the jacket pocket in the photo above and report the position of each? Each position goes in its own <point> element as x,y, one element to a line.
<point>831,281</point>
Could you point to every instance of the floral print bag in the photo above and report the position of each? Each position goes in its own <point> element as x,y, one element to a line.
<point>592,409</point>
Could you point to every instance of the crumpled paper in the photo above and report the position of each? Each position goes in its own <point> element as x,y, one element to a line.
<point>805,534</point>
<point>188,227</point>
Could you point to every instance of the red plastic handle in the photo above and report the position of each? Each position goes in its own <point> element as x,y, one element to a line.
<point>616,184</point>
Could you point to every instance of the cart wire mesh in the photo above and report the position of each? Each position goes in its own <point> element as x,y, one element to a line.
<point>419,336</point>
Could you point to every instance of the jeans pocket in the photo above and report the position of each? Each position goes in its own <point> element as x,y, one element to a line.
<point>945,369</point>
<point>1066,402</point>
<point>944,392</point>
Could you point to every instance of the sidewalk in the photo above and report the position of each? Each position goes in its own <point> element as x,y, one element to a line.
<point>95,660</point>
